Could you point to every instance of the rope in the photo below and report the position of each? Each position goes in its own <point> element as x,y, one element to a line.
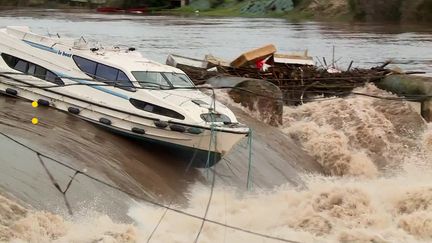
<point>151,84</point>
<point>249,175</point>
<point>157,226</point>
<point>55,183</point>
<point>169,208</point>
<point>207,207</point>
<point>366,75</point>
<point>212,136</point>
<point>333,93</point>
<point>187,169</point>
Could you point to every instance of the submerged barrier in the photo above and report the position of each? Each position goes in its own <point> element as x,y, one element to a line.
<point>241,90</point>
<point>78,172</point>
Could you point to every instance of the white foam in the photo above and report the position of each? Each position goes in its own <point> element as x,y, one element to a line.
<point>378,188</point>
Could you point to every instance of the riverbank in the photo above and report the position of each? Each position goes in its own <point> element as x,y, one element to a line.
<point>404,11</point>
<point>396,11</point>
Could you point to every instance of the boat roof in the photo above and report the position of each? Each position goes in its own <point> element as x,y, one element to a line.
<point>123,58</point>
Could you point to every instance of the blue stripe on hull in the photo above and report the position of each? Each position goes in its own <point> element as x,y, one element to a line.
<point>105,90</point>
<point>42,47</point>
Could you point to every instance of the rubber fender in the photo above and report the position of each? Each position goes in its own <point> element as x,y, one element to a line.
<point>74,110</point>
<point>43,102</point>
<point>138,130</point>
<point>161,124</point>
<point>105,121</point>
<point>11,91</point>
<point>194,130</point>
<point>177,128</point>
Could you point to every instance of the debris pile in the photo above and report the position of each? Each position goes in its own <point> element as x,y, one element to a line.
<point>297,76</point>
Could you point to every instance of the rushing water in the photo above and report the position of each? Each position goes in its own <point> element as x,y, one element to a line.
<point>340,170</point>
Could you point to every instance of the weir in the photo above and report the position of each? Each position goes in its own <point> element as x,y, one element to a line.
<point>255,94</point>
<point>147,171</point>
<point>417,88</point>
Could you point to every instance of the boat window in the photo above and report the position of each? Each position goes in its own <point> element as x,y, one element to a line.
<point>146,79</point>
<point>104,73</point>
<point>107,74</point>
<point>162,79</point>
<point>40,72</point>
<point>124,82</point>
<point>178,79</point>
<point>122,76</point>
<point>155,109</point>
<point>85,65</point>
<point>31,69</point>
<point>9,60</point>
<point>51,77</point>
<point>21,66</point>
<point>215,117</point>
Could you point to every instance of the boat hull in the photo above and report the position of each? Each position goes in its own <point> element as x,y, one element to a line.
<point>212,143</point>
<point>191,157</point>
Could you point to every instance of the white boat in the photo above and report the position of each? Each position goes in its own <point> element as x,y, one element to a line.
<point>116,88</point>
<point>178,61</point>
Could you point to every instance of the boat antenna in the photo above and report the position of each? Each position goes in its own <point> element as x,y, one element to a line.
<point>82,38</point>
<point>333,59</point>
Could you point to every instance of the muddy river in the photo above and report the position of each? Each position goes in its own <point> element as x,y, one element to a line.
<point>339,170</point>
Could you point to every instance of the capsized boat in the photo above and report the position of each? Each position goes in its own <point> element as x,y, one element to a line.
<point>117,88</point>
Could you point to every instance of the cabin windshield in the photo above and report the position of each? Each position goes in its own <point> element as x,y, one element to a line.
<point>162,79</point>
<point>178,79</point>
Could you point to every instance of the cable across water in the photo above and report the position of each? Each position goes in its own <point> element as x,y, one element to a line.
<point>153,86</point>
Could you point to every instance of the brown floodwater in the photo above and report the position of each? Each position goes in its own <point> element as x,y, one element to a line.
<point>157,36</point>
<point>146,170</point>
<point>332,167</point>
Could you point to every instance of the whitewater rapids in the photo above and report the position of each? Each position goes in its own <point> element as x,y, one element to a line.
<point>376,187</point>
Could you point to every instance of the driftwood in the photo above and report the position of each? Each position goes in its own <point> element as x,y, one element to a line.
<point>300,83</point>
<point>294,74</point>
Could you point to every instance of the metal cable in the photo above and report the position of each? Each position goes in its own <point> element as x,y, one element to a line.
<point>212,137</point>
<point>165,88</point>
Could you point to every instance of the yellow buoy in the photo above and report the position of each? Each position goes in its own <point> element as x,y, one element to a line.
<point>35,121</point>
<point>35,104</point>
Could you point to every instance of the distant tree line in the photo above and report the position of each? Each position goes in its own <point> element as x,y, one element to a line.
<point>150,3</point>
<point>117,3</point>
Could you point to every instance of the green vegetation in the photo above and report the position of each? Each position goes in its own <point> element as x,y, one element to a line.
<point>245,8</point>
<point>342,10</point>
<point>345,10</point>
<point>85,3</point>
<point>292,9</point>
<point>207,8</point>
